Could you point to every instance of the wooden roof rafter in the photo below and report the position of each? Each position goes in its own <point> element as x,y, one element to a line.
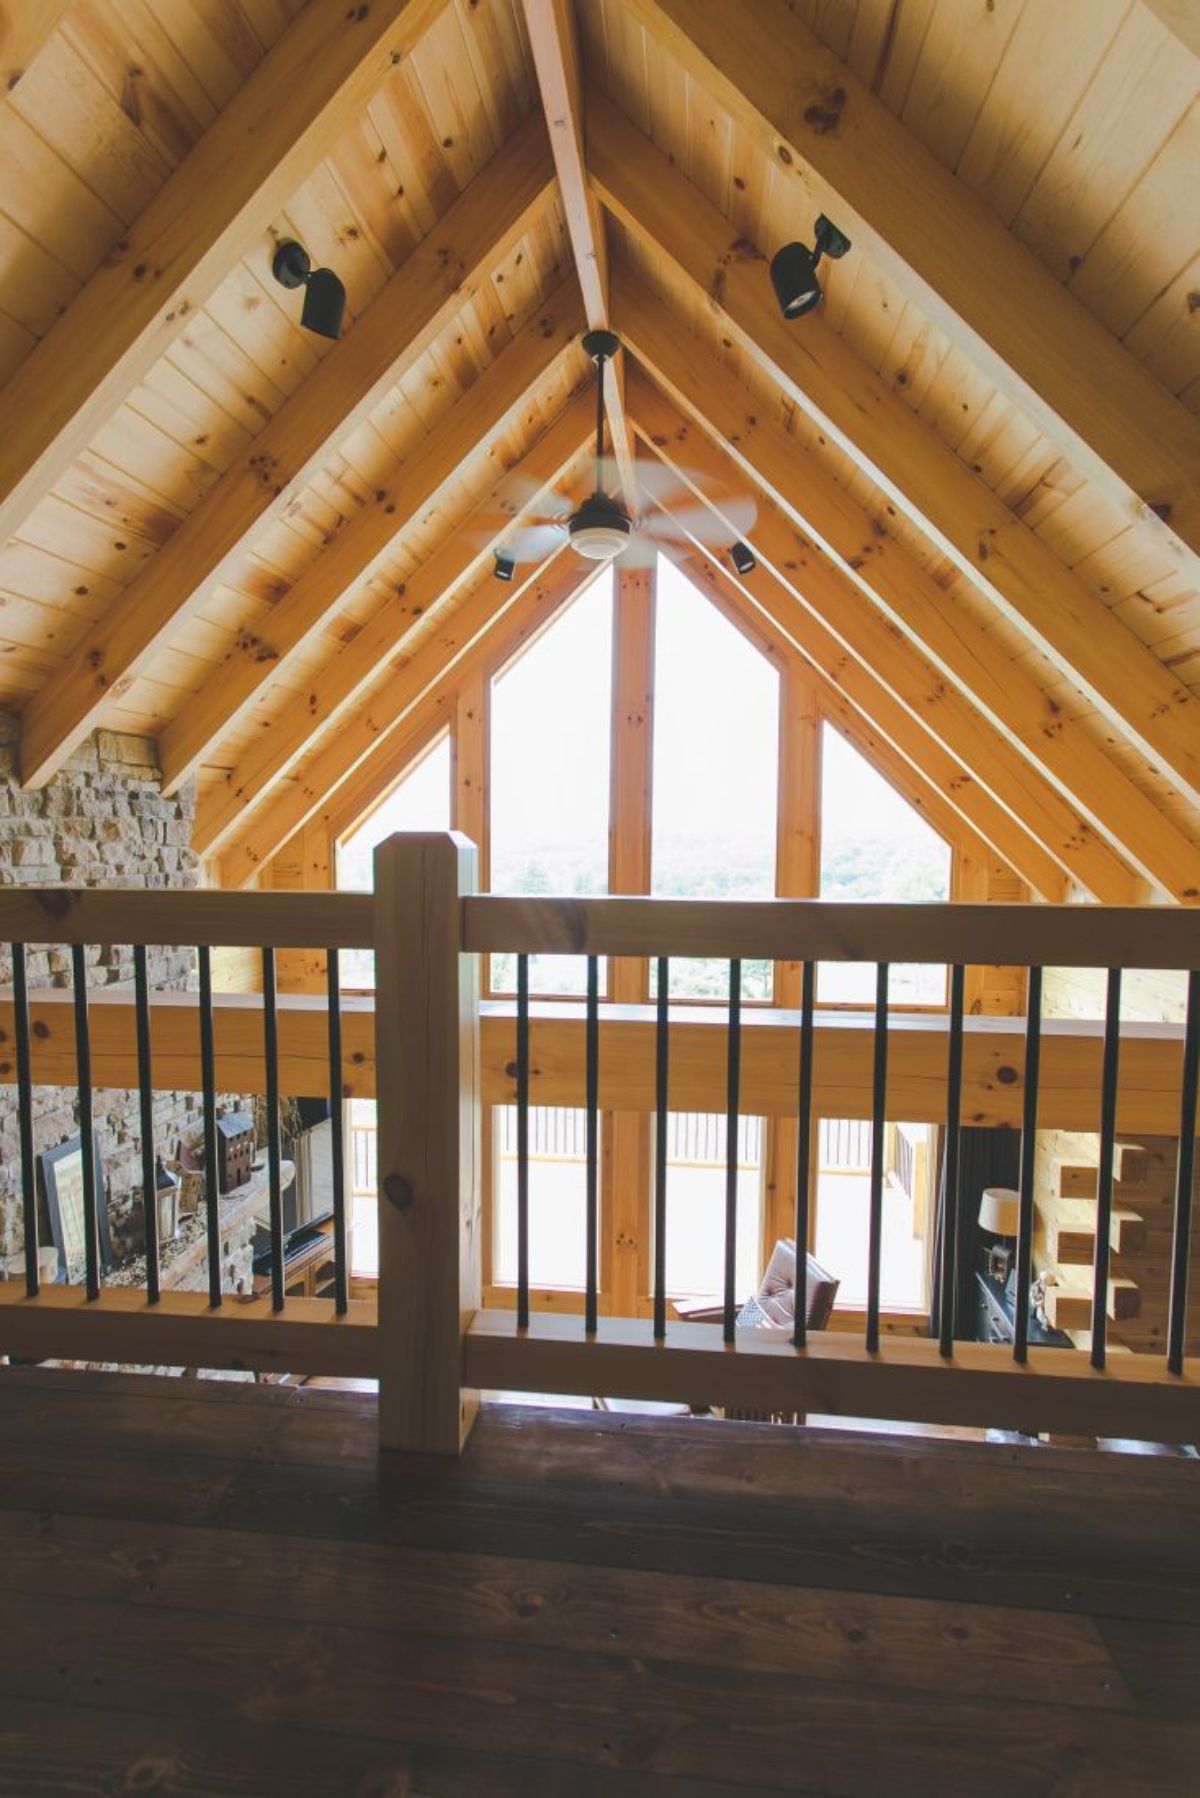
<point>465,640</point>
<point>260,658</point>
<point>924,778</point>
<point>952,505</point>
<point>429,607</point>
<point>732,428</point>
<point>844,153</point>
<point>395,330</point>
<point>946,751</point>
<point>554,41</point>
<point>24,28</point>
<point>305,93</point>
<point>1182,20</point>
<point>440,711</point>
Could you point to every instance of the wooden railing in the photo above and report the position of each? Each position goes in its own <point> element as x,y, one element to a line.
<point>199,1042</point>
<point>947,1069</point>
<point>436,1058</point>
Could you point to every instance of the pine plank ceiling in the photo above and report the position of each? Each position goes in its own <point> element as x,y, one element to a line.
<point>254,544</point>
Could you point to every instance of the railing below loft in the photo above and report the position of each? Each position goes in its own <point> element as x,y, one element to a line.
<point>436,1058</point>
<point>433,930</point>
<point>92,1038</point>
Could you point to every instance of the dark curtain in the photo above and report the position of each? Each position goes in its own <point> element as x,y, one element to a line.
<point>986,1158</point>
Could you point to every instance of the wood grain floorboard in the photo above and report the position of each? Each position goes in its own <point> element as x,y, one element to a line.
<point>213,1587</point>
<point>916,1644</point>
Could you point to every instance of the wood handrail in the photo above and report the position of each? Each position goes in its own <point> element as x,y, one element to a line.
<point>196,918</point>
<point>1066,936</point>
<point>775,929</point>
<point>1148,1100</point>
<point>906,1378</point>
<point>183,1330</point>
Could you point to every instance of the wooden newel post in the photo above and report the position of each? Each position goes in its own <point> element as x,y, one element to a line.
<point>427,1070</point>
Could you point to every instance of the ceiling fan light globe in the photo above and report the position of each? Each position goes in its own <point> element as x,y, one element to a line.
<point>599,530</point>
<point>599,542</point>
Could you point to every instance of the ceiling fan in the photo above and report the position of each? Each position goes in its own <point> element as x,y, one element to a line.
<point>602,527</point>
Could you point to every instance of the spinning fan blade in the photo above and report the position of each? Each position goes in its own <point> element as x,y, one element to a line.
<point>660,481</point>
<point>704,525</point>
<point>528,495</point>
<point>534,542</point>
<point>654,478</point>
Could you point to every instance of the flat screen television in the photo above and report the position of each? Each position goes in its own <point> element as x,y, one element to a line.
<point>308,1200</point>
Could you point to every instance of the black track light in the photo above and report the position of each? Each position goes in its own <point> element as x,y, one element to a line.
<point>743,558</point>
<point>505,566</point>
<point>324,296</point>
<point>794,269</point>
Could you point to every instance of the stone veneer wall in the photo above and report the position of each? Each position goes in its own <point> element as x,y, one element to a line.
<point>102,821</point>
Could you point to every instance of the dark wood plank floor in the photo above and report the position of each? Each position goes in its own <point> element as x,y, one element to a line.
<point>214,1588</point>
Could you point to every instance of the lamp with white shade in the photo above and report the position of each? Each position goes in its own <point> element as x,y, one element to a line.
<point>999,1216</point>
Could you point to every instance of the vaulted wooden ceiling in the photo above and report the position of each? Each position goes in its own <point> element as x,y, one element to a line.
<point>976,467</point>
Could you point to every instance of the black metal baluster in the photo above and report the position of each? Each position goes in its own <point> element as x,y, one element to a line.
<point>523,1141</point>
<point>733,1080</point>
<point>208,1100</point>
<point>661,1078</point>
<point>274,1144</point>
<point>949,1269</point>
<point>87,1123</point>
<point>341,1270</point>
<point>141,993</point>
<point>804,1151</point>
<point>593,1141</point>
<point>25,1120</point>
<point>878,1109</point>
<point>1185,1174</point>
<point>1104,1176</point>
<point>1033,1065</point>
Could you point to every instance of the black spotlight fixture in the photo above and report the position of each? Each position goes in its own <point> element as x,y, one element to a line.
<point>794,269</point>
<point>743,558</point>
<point>324,295</point>
<point>505,566</point>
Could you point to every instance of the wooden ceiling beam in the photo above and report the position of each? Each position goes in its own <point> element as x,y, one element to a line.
<point>834,627</point>
<point>841,151</point>
<point>706,396</point>
<point>1019,813</point>
<point>1182,20</point>
<point>484,617</point>
<point>925,776</point>
<point>25,26</point>
<point>440,709</point>
<point>554,42</point>
<point>394,635</point>
<point>397,328</point>
<point>263,655</point>
<point>900,453</point>
<point>289,112</point>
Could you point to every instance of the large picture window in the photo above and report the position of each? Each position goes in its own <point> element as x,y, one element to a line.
<point>875,846</point>
<point>557,1196</point>
<point>420,800</point>
<point>716,771</point>
<point>550,742</point>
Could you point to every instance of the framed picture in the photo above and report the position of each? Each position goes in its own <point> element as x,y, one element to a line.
<point>62,1183</point>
